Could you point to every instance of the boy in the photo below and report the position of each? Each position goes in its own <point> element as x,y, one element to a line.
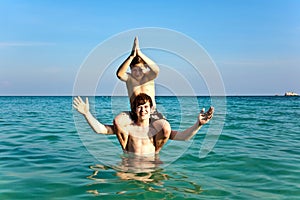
<point>139,80</point>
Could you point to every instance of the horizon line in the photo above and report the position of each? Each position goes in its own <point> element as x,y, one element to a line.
<point>201,95</point>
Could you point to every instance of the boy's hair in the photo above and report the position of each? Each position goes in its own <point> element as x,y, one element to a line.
<point>140,99</point>
<point>136,60</point>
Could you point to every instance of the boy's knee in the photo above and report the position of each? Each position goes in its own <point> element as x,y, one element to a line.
<point>122,119</point>
<point>167,130</point>
<point>117,118</point>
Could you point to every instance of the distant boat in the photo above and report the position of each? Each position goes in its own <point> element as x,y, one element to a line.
<point>291,94</point>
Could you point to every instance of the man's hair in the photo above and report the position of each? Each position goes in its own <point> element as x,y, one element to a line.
<point>136,60</point>
<point>140,99</point>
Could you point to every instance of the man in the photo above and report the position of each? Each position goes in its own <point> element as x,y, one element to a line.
<point>141,137</point>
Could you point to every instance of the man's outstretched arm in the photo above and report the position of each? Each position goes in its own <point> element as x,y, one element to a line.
<point>84,108</point>
<point>187,134</point>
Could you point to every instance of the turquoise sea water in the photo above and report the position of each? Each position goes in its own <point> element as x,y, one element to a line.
<point>49,152</point>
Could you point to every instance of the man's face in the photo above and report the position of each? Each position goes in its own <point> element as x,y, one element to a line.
<point>138,71</point>
<point>143,111</point>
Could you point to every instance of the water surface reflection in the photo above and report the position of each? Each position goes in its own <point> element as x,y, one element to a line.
<point>135,175</point>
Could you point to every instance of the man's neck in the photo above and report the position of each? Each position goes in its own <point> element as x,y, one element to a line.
<point>143,123</point>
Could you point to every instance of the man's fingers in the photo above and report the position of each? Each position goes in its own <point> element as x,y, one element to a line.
<point>75,103</point>
<point>80,99</point>
<point>76,100</point>
<point>206,116</point>
<point>210,111</point>
<point>203,110</point>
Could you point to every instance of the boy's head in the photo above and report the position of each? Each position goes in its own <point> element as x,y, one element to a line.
<point>138,67</point>
<point>139,100</point>
<point>137,61</point>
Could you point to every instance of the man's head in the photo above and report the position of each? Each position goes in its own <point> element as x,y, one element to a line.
<point>138,67</point>
<point>141,106</point>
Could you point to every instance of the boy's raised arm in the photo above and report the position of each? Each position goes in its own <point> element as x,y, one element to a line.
<point>121,72</point>
<point>154,69</point>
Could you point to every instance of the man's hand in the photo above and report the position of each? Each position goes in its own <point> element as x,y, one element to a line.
<point>204,117</point>
<point>81,106</point>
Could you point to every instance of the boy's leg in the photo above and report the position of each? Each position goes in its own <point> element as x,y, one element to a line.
<point>123,119</point>
<point>163,129</point>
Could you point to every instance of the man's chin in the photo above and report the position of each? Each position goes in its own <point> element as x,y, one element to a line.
<point>144,117</point>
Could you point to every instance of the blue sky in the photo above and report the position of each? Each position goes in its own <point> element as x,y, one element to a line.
<point>254,44</point>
